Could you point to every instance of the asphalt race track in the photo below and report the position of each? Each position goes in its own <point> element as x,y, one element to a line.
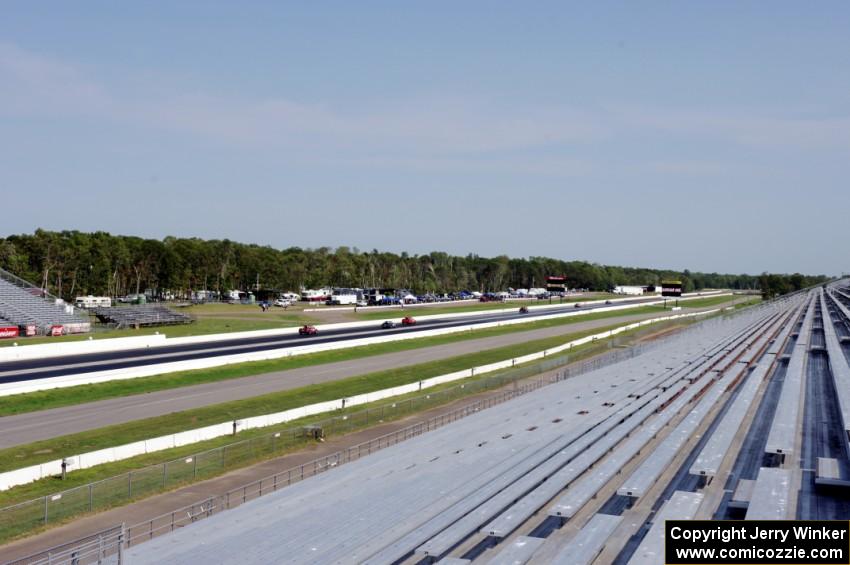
<point>17,371</point>
<point>35,426</point>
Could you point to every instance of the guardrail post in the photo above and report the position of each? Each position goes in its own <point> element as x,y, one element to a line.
<point>45,509</point>
<point>121,539</point>
<point>129,484</point>
<point>91,497</point>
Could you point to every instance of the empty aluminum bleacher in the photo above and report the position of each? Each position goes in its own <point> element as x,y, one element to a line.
<point>22,304</point>
<point>141,316</point>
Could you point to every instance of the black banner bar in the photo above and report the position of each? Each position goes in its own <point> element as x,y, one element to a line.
<point>757,542</point>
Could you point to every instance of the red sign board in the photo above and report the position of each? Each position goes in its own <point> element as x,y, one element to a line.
<point>9,331</point>
<point>55,330</point>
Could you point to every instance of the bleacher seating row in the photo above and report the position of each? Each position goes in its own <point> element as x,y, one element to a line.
<point>21,306</point>
<point>141,316</point>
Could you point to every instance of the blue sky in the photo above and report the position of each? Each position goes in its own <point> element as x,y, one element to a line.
<point>709,136</point>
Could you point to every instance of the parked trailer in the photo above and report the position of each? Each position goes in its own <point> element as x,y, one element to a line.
<point>93,302</point>
<point>629,290</point>
<point>342,300</point>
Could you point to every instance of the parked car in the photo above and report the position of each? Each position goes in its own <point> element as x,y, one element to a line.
<point>523,310</point>
<point>361,303</point>
<point>282,303</point>
<point>408,321</point>
<point>308,330</point>
<point>387,325</point>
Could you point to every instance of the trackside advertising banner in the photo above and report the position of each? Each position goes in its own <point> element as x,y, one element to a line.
<point>757,542</point>
<point>8,331</point>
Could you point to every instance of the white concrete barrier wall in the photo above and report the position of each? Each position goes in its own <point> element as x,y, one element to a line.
<point>50,468</point>
<point>26,475</point>
<point>23,476</point>
<point>45,350</point>
<point>457,375</point>
<point>207,363</point>
<point>159,443</point>
<point>529,357</point>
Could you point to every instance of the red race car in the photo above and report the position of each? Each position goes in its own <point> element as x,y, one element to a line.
<point>308,330</point>
<point>408,321</point>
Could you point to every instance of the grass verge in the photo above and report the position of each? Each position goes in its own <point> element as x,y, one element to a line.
<point>707,302</point>
<point>202,326</point>
<point>512,306</point>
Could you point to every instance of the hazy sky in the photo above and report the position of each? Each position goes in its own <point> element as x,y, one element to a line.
<point>712,136</point>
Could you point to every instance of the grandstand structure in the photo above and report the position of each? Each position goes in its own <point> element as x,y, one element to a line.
<point>35,312</point>
<point>141,316</point>
<point>537,479</point>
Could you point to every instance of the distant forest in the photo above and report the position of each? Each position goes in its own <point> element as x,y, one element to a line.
<point>72,263</point>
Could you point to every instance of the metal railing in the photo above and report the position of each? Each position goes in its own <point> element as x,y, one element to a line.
<point>168,522</point>
<point>106,546</point>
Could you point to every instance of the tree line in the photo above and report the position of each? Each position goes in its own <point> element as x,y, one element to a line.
<point>73,263</point>
<point>774,285</point>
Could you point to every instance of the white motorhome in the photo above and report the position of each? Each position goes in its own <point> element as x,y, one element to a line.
<point>93,302</point>
<point>319,295</point>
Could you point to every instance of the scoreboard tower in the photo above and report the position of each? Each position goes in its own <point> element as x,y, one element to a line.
<point>671,289</point>
<point>556,284</point>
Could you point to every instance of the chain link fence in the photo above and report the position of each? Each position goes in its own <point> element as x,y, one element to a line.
<point>120,489</point>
